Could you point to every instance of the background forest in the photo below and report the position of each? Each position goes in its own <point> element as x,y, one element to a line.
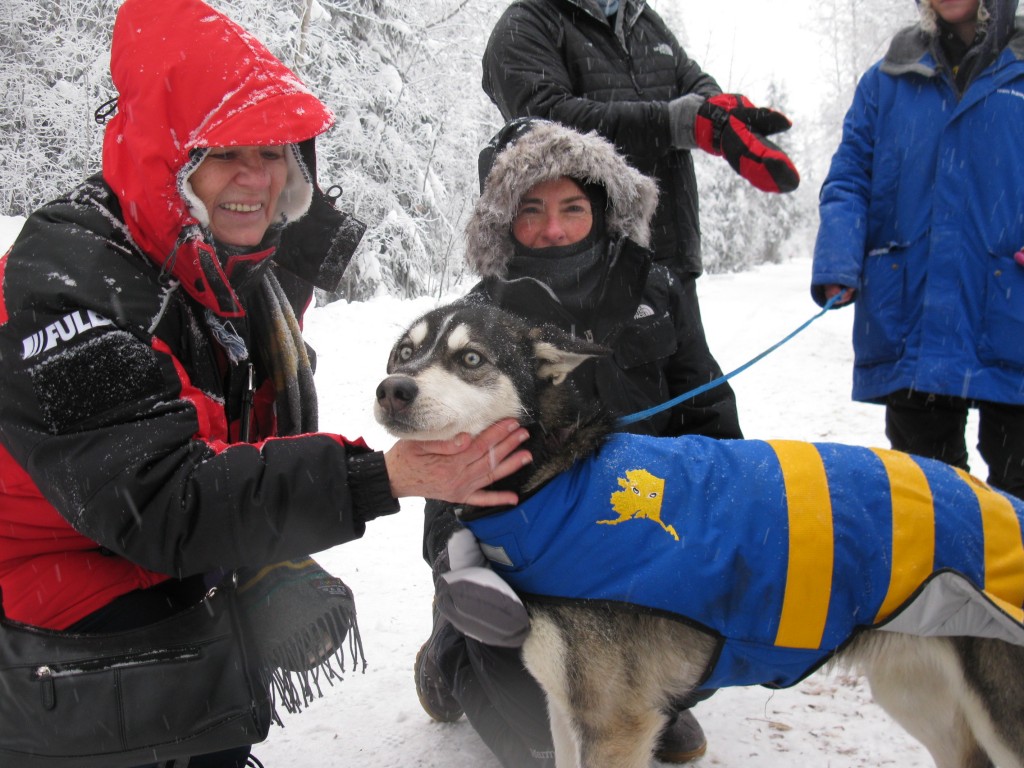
<point>404,81</point>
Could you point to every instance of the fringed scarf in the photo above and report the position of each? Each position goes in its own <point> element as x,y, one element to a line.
<point>297,614</point>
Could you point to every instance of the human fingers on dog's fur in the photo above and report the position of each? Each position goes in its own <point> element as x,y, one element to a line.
<point>499,440</point>
<point>456,471</point>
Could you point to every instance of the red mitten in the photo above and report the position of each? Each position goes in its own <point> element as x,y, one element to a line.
<point>729,125</point>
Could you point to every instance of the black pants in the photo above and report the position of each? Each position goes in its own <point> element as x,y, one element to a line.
<point>145,606</point>
<point>933,426</point>
<point>502,701</point>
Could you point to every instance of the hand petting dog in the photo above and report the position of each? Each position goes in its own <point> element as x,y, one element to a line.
<point>458,470</point>
<point>609,519</point>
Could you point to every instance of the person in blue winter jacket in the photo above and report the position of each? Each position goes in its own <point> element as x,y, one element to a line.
<point>922,227</point>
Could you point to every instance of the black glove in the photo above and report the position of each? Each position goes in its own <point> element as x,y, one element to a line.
<point>729,125</point>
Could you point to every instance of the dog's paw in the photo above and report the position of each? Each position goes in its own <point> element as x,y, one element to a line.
<point>481,605</point>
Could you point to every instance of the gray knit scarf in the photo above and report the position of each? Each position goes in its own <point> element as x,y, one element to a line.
<point>276,327</point>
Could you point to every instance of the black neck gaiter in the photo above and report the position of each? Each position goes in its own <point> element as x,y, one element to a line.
<point>573,272</point>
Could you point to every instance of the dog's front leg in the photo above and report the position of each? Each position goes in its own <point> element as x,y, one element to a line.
<point>567,749</point>
<point>544,656</point>
<point>597,719</point>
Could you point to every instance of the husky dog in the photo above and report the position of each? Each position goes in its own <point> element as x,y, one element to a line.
<point>609,670</point>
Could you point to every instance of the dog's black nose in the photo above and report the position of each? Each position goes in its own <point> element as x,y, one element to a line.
<point>395,393</point>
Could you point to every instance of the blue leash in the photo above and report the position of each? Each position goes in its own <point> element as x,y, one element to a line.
<point>641,415</point>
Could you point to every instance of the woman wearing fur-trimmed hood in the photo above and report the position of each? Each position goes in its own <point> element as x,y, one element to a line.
<point>559,236</point>
<point>922,228</point>
<point>527,152</point>
<point>605,286</point>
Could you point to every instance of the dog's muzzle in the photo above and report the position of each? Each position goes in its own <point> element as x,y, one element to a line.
<point>395,394</point>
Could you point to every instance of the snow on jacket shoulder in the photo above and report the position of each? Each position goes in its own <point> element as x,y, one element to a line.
<point>782,549</point>
<point>921,212</point>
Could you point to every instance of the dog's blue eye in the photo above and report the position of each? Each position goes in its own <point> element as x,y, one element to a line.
<point>404,353</point>
<point>472,359</point>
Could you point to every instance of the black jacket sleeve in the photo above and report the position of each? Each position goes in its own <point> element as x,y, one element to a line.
<point>526,72</point>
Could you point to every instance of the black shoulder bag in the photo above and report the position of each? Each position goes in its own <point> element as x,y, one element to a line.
<point>186,685</point>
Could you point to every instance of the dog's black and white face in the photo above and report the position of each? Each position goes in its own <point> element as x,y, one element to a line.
<point>462,367</point>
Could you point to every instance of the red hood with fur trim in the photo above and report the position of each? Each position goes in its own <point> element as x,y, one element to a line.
<point>188,77</point>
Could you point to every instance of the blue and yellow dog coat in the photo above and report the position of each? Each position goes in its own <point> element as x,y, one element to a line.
<point>783,549</point>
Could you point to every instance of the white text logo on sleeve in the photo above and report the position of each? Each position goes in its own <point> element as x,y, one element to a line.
<point>62,331</point>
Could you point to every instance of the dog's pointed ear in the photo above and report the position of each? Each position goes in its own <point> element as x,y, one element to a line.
<point>558,354</point>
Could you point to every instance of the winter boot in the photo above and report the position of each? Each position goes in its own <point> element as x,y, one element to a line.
<point>682,740</point>
<point>433,690</point>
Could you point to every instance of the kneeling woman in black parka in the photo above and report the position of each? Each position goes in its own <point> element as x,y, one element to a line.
<point>559,236</point>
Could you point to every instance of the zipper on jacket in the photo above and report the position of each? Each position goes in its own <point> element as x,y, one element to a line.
<point>244,428</point>
<point>632,75</point>
<point>624,45</point>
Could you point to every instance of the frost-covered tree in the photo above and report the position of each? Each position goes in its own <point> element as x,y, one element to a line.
<point>55,73</point>
<point>855,34</point>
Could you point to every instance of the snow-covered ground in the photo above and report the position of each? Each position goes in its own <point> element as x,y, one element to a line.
<point>800,391</point>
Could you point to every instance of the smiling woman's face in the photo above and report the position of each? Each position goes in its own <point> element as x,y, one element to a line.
<point>240,187</point>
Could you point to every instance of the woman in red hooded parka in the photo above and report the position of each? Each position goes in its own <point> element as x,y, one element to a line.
<point>140,316</point>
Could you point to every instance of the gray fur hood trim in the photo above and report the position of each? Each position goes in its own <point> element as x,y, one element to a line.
<point>909,46</point>
<point>905,52</point>
<point>546,152</point>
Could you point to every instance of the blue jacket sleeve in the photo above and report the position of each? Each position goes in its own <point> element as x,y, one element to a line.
<point>846,196</point>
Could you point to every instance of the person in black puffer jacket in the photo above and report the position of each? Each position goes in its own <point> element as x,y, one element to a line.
<point>570,250</point>
<point>614,67</point>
